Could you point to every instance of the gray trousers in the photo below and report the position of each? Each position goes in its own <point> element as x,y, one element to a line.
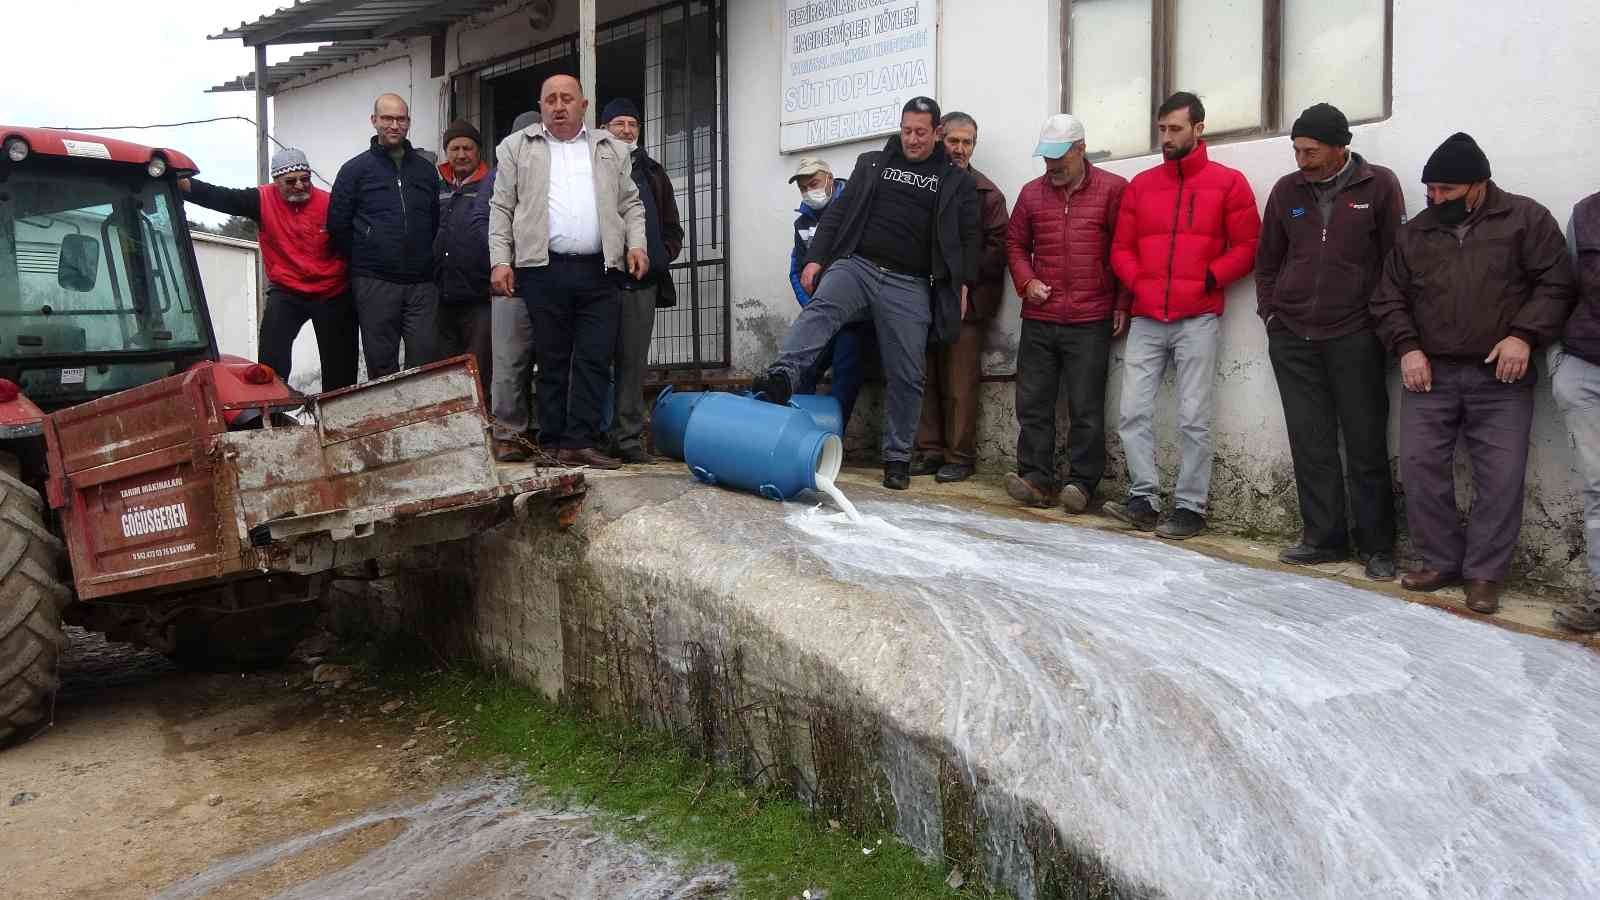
<point>1191,346</point>
<point>390,314</point>
<point>1576,385</point>
<point>899,306</point>
<point>638,323</point>
<point>510,392</point>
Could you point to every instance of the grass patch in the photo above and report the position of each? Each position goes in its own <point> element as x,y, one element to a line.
<point>651,790</point>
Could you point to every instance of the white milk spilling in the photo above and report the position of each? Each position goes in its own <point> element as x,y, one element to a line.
<point>826,485</point>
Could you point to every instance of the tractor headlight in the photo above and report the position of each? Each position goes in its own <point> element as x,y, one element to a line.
<point>17,149</point>
<point>157,166</point>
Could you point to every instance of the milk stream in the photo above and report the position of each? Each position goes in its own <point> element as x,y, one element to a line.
<point>826,485</point>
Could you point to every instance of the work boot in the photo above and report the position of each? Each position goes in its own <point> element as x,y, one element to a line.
<point>1428,580</point>
<point>509,451</point>
<point>773,386</point>
<point>897,475</point>
<point>926,465</point>
<point>1483,597</point>
<point>1303,554</point>
<point>952,473</point>
<point>1181,525</point>
<point>1026,492</point>
<point>1582,616</point>
<point>634,456</point>
<point>1138,512</point>
<point>587,456</point>
<point>1380,565</point>
<point>1074,499</point>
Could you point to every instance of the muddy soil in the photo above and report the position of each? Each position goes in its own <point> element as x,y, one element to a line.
<point>154,781</point>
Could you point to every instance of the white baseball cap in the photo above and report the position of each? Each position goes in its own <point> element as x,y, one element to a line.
<point>1059,133</point>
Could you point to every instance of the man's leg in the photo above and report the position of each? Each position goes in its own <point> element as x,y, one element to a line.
<point>379,311</point>
<point>1194,353</point>
<point>901,314</point>
<point>513,365</point>
<point>962,372</point>
<point>479,338</point>
<point>930,443</point>
<point>1496,423</point>
<point>335,323</point>
<point>1144,362</point>
<point>850,348</point>
<point>1429,424</point>
<point>419,324</point>
<point>281,321</point>
<point>1576,385</point>
<point>1086,357</point>
<point>596,313</point>
<point>638,320</point>
<point>551,311</point>
<point>1305,376</point>
<point>809,378</point>
<point>1360,384</point>
<point>841,298</point>
<point>1039,365</point>
<point>452,323</point>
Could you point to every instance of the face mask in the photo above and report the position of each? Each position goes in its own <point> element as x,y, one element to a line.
<point>1450,212</point>
<point>816,199</point>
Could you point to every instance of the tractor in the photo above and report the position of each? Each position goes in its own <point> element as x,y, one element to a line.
<point>166,495</point>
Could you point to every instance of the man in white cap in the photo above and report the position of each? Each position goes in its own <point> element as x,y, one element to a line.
<point>1058,247</point>
<point>846,353</point>
<point>306,278</point>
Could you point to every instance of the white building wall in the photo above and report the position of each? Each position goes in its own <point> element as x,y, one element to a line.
<point>228,273</point>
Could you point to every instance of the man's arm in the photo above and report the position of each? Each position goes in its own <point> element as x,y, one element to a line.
<point>1269,256</point>
<point>967,221</point>
<point>1543,255</point>
<point>1125,240</point>
<point>244,202</point>
<point>1241,225</point>
<point>667,212</point>
<point>796,261</point>
<point>478,217</point>
<point>1019,246</point>
<point>342,210</point>
<point>630,207</point>
<point>503,205</point>
<point>992,258</point>
<point>821,249</point>
<point>1391,305</point>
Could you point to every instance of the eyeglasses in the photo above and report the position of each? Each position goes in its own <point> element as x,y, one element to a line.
<point>393,120</point>
<point>302,181</point>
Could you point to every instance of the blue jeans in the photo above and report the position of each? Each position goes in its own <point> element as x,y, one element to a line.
<point>846,354</point>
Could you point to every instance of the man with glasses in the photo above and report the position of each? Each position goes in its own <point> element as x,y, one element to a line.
<point>382,216</point>
<point>306,278</point>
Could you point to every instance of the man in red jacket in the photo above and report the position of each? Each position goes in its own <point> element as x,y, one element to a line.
<point>306,278</point>
<point>1186,230</point>
<point>1058,247</point>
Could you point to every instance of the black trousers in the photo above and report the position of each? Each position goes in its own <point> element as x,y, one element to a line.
<point>1330,386</point>
<point>464,327</point>
<point>575,310</point>
<point>334,320</point>
<point>1047,352</point>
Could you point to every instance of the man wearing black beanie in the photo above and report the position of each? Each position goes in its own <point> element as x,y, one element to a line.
<point>1476,282</point>
<point>1324,236</point>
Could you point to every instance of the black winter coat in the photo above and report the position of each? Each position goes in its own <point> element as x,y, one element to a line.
<point>383,215</point>
<point>461,250</point>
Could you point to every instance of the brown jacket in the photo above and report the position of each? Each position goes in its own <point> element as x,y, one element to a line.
<point>1582,335</point>
<point>992,222</point>
<point>1458,297</point>
<point>1316,277</point>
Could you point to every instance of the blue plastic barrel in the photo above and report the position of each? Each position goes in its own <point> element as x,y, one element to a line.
<point>775,451</point>
<point>824,410</point>
<point>668,419</point>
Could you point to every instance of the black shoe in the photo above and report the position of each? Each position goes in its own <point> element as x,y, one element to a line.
<point>927,465</point>
<point>896,475</point>
<point>1135,511</point>
<point>773,386</point>
<point>1380,566</point>
<point>634,456</point>
<point>1303,554</point>
<point>1182,525</point>
<point>953,473</point>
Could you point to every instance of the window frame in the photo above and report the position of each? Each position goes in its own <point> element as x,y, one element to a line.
<point>1274,119</point>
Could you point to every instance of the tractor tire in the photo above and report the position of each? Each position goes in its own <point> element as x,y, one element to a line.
<point>32,595</point>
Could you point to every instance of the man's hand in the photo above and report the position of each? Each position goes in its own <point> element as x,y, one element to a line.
<point>808,277</point>
<point>1119,323</point>
<point>183,185</point>
<point>1415,372</point>
<point>638,263</point>
<point>503,281</point>
<point>963,303</point>
<point>1035,291</point>
<point>1511,359</point>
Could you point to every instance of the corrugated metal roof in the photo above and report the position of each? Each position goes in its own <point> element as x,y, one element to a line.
<point>314,21</point>
<point>300,65</point>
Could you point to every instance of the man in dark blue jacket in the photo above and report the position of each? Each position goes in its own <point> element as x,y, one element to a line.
<point>846,353</point>
<point>461,253</point>
<point>383,216</point>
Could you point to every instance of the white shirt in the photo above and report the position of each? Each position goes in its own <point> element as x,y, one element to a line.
<point>574,223</point>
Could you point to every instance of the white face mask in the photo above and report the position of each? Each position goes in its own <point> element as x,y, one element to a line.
<point>816,199</point>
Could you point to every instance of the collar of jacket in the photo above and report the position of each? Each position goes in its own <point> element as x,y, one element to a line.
<point>1360,172</point>
<point>1494,204</point>
<point>1090,170</point>
<point>1190,165</point>
<point>981,181</point>
<point>892,147</point>
<point>384,151</point>
<point>448,175</point>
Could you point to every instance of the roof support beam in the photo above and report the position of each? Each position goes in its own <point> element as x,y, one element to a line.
<point>411,23</point>
<point>301,14</point>
<point>586,22</point>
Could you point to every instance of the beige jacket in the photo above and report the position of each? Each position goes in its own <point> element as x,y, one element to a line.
<point>519,210</point>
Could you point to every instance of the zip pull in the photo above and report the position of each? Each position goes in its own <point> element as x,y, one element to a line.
<point>1324,234</point>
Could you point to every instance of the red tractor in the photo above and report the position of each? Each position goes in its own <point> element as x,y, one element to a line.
<point>166,495</point>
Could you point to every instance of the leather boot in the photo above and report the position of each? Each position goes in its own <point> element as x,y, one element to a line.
<point>1428,580</point>
<point>1483,597</point>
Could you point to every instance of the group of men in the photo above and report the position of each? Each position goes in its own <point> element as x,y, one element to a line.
<point>909,253</point>
<point>558,255</point>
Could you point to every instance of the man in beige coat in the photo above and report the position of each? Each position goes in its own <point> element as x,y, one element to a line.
<point>565,224</point>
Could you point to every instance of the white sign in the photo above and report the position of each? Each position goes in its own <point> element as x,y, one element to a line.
<point>92,149</point>
<point>849,65</point>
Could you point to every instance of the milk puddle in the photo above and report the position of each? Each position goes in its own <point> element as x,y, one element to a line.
<point>1213,730</point>
<point>476,841</point>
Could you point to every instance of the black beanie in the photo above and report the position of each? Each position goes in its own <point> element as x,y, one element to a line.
<point>462,128</point>
<point>621,106</point>
<point>1323,122</point>
<point>1459,160</point>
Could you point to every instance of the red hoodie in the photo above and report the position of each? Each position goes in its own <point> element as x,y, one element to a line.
<point>295,248</point>
<point>1179,221</point>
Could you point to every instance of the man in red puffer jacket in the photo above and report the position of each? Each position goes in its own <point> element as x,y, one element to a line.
<point>1186,230</point>
<point>1058,246</point>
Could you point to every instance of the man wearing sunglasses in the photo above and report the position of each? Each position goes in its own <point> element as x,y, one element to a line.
<point>307,279</point>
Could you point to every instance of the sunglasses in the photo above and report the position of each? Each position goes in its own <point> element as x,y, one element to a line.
<point>301,181</point>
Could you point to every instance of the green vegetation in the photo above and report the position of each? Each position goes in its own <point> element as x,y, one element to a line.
<point>660,794</point>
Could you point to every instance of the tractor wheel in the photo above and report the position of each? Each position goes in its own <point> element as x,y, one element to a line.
<point>32,596</point>
<point>242,641</point>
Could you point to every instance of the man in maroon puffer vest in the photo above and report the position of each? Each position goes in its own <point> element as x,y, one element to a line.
<point>1186,230</point>
<point>1058,246</point>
